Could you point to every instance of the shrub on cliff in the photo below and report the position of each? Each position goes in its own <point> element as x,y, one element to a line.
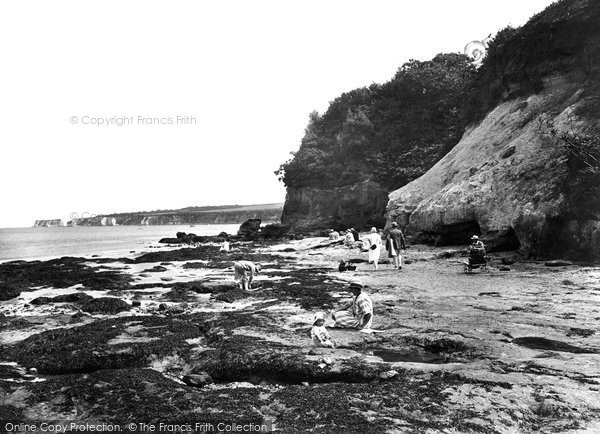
<point>518,60</point>
<point>391,132</point>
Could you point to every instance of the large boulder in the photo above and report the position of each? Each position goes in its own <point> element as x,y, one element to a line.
<point>250,227</point>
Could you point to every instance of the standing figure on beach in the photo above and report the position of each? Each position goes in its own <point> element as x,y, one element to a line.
<point>333,235</point>
<point>355,234</point>
<point>319,333</point>
<point>244,272</point>
<point>373,243</point>
<point>394,245</point>
<point>358,314</point>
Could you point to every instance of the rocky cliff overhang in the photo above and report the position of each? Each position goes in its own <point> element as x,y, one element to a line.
<point>527,175</point>
<point>509,180</point>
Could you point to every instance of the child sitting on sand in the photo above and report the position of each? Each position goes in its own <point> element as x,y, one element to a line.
<point>319,333</point>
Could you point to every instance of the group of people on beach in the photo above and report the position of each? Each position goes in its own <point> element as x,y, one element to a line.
<point>358,314</point>
<point>395,243</point>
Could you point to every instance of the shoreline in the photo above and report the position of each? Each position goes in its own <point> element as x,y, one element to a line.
<point>32,243</point>
<point>483,351</point>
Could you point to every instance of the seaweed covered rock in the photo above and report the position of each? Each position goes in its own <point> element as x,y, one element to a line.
<point>243,358</point>
<point>107,305</point>
<point>76,297</point>
<point>275,230</point>
<point>21,276</point>
<point>106,344</point>
<point>9,291</point>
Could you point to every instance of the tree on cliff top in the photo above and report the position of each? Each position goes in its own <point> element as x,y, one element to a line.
<point>391,133</point>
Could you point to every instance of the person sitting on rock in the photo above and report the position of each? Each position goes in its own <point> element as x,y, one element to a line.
<point>319,333</point>
<point>476,251</point>
<point>476,243</point>
<point>349,239</point>
<point>358,314</point>
<point>333,235</point>
<point>244,272</point>
<point>345,266</point>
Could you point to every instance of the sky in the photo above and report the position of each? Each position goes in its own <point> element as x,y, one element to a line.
<point>111,106</point>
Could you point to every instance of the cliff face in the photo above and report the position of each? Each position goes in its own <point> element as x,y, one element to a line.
<point>48,223</point>
<point>527,175</point>
<point>348,158</point>
<point>357,205</point>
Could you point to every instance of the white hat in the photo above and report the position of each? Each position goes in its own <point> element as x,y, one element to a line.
<point>474,237</point>
<point>318,316</point>
<point>394,224</point>
<point>373,229</point>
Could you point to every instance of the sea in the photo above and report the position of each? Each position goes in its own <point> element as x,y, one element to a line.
<point>109,241</point>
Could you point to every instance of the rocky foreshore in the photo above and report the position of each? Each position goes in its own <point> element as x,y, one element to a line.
<point>166,336</point>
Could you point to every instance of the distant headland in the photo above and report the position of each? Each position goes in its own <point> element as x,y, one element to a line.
<point>222,214</point>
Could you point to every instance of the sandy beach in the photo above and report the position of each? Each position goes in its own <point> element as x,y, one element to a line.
<point>167,336</point>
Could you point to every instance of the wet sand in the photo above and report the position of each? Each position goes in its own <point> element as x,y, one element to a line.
<point>497,351</point>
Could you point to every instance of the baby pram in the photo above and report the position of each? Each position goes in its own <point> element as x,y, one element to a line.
<point>477,259</point>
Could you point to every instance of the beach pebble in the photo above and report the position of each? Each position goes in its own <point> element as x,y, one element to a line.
<point>388,374</point>
<point>558,263</point>
<point>198,380</point>
<point>175,309</point>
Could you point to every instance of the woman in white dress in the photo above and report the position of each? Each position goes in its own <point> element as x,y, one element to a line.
<point>373,243</point>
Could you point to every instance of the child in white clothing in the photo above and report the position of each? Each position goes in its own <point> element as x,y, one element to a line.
<point>319,333</point>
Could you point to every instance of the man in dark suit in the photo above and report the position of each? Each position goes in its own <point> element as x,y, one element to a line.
<point>395,243</point>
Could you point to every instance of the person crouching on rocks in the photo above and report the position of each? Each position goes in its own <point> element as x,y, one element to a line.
<point>225,246</point>
<point>244,272</point>
<point>358,314</point>
<point>319,333</point>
